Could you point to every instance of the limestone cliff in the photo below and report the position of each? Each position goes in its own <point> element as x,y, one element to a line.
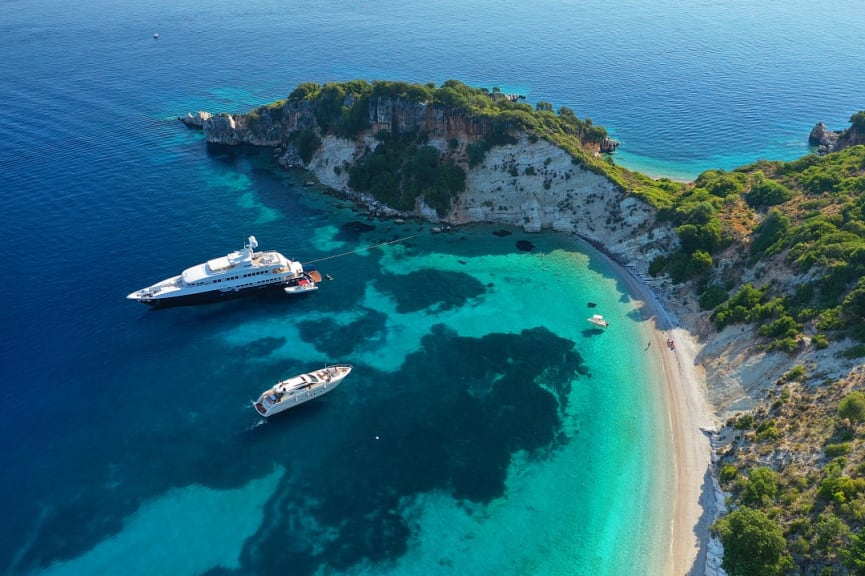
<point>530,183</point>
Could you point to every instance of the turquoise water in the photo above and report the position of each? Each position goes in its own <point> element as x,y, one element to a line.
<point>486,428</point>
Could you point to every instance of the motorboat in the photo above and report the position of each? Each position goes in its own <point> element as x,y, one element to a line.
<point>598,320</point>
<point>307,282</point>
<point>299,389</point>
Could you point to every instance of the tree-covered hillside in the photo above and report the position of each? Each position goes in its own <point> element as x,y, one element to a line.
<point>402,167</point>
<point>781,244</point>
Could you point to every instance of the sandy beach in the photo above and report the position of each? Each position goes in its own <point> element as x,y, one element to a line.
<point>692,508</point>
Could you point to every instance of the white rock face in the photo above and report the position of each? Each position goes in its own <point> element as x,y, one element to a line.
<point>330,163</point>
<point>534,185</point>
<point>537,186</point>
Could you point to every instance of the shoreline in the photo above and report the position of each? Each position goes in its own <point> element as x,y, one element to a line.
<point>688,419</point>
<point>689,415</point>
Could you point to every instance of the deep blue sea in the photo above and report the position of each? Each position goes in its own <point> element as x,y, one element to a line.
<point>485,429</point>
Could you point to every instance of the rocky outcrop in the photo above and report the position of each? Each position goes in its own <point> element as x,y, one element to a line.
<point>397,116</point>
<point>608,145</point>
<point>196,120</point>
<point>823,138</point>
<point>828,141</point>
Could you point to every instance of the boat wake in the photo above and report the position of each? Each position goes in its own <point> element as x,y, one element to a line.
<point>260,422</point>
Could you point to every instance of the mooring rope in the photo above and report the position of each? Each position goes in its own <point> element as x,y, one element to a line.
<point>360,249</point>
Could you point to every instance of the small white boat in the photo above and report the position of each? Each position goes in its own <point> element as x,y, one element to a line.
<point>598,320</point>
<point>307,282</point>
<point>296,390</point>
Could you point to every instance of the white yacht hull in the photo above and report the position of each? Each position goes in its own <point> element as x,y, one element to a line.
<point>300,389</point>
<point>237,274</point>
<point>209,296</point>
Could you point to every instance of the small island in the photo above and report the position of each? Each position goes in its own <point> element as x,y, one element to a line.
<point>756,274</point>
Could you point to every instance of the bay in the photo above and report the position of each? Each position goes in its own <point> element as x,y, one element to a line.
<point>127,433</point>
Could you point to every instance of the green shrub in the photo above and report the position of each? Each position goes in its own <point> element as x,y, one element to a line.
<point>770,233</point>
<point>768,193</point>
<point>795,374</point>
<point>760,488</point>
<point>476,152</point>
<point>739,308</point>
<point>782,327</point>
<point>787,344</point>
<point>835,450</point>
<point>753,544</point>
<point>767,430</point>
<point>820,341</point>
<point>728,473</point>
<point>744,422</point>
<point>307,143</point>
<point>852,407</point>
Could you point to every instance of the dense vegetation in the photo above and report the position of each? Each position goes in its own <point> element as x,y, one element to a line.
<point>782,245</point>
<point>403,168</point>
<point>806,217</point>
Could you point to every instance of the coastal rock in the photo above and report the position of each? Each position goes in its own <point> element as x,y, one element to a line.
<point>395,115</point>
<point>823,138</point>
<point>196,120</point>
<point>221,129</point>
<point>828,141</point>
<point>608,145</point>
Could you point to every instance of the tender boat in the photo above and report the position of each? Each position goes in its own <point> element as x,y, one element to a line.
<point>598,320</point>
<point>237,274</point>
<point>307,282</point>
<point>299,389</point>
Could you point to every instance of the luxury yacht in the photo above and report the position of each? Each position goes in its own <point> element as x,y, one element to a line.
<point>236,274</point>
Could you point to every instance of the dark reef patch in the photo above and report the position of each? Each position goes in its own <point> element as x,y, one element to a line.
<point>352,231</point>
<point>502,233</point>
<point>434,289</point>
<point>450,419</point>
<point>525,246</point>
<point>339,340</point>
<point>263,346</point>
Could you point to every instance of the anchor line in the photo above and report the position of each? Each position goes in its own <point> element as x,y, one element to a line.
<point>360,249</point>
